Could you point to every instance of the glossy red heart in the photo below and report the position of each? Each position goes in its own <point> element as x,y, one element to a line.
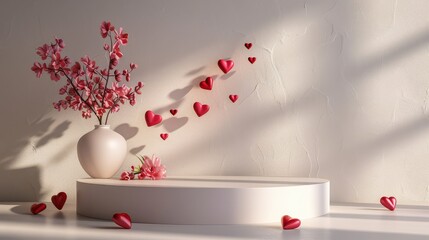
<point>37,208</point>
<point>233,98</point>
<point>173,111</point>
<point>207,84</point>
<point>290,223</point>
<point>163,136</point>
<point>251,59</point>
<point>248,45</point>
<point>59,200</point>
<point>225,65</point>
<point>123,220</point>
<point>388,202</point>
<point>201,109</point>
<point>152,119</point>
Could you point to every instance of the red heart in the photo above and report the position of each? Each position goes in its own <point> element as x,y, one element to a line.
<point>122,219</point>
<point>248,45</point>
<point>290,223</point>
<point>388,202</point>
<point>201,109</point>
<point>207,84</point>
<point>59,200</point>
<point>152,119</point>
<point>252,59</point>
<point>173,111</point>
<point>225,65</point>
<point>37,208</point>
<point>233,98</point>
<point>164,136</point>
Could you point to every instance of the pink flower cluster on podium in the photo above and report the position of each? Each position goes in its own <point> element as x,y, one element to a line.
<point>87,84</point>
<point>149,168</point>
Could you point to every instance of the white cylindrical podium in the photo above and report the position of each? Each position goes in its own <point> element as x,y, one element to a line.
<point>204,200</point>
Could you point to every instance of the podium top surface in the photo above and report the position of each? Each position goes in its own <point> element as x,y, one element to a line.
<point>208,182</point>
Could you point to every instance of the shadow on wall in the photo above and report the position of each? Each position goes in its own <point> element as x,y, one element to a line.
<point>23,184</point>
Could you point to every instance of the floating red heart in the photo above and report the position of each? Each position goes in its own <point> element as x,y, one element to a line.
<point>290,223</point>
<point>163,136</point>
<point>173,111</point>
<point>248,45</point>
<point>225,65</point>
<point>122,219</point>
<point>201,109</point>
<point>59,200</point>
<point>252,59</point>
<point>207,84</point>
<point>233,98</point>
<point>388,202</point>
<point>37,208</point>
<point>152,119</point>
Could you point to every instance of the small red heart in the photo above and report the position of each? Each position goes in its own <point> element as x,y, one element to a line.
<point>201,109</point>
<point>252,59</point>
<point>37,208</point>
<point>388,202</point>
<point>290,223</point>
<point>207,84</point>
<point>233,98</point>
<point>163,136</point>
<point>173,111</point>
<point>152,119</point>
<point>225,65</point>
<point>122,219</point>
<point>59,200</point>
<point>248,45</point>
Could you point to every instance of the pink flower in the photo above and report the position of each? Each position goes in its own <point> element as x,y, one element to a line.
<point>86,114</point>
<point>122,37</point>
<point>43,51</point>
<point>106,46</point>
<point>118,76</point>
<point>133,66</point>
<point>76,70</point>
<point>141,176</point>
<point>105,28</point>
<point>153,169</point>
<point>38,69</point>
<point>125,176</point>
<point>60,42</point>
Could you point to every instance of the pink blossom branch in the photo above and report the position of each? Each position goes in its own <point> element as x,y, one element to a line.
<point>77,92</point>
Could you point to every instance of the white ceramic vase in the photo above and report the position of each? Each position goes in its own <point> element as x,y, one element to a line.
<point>101,152</point>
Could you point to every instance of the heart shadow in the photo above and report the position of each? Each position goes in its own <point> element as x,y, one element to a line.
<point>174,123</point>
<point>127,131</point>
<point>136,150</point>
<point>228,75</point>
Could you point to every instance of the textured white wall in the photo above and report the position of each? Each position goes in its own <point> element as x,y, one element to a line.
<point>339,90</point>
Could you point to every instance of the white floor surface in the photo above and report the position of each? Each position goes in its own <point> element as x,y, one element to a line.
<point>363,222</point>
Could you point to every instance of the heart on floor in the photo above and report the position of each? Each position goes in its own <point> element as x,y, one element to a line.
<point>201,109</point>
<point>289,223</point>
<point>152,119</point>
<point>252,59</point>
<point>248,45</point>
<point>233,98</point>
<point>388,202</point>
<point>225,65</point>
<point>164,136</point>
<point>173,111</point>
<point>207,84</point>
<point>122,219</point>
<point>37,208</point>
<point>59,200</point>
